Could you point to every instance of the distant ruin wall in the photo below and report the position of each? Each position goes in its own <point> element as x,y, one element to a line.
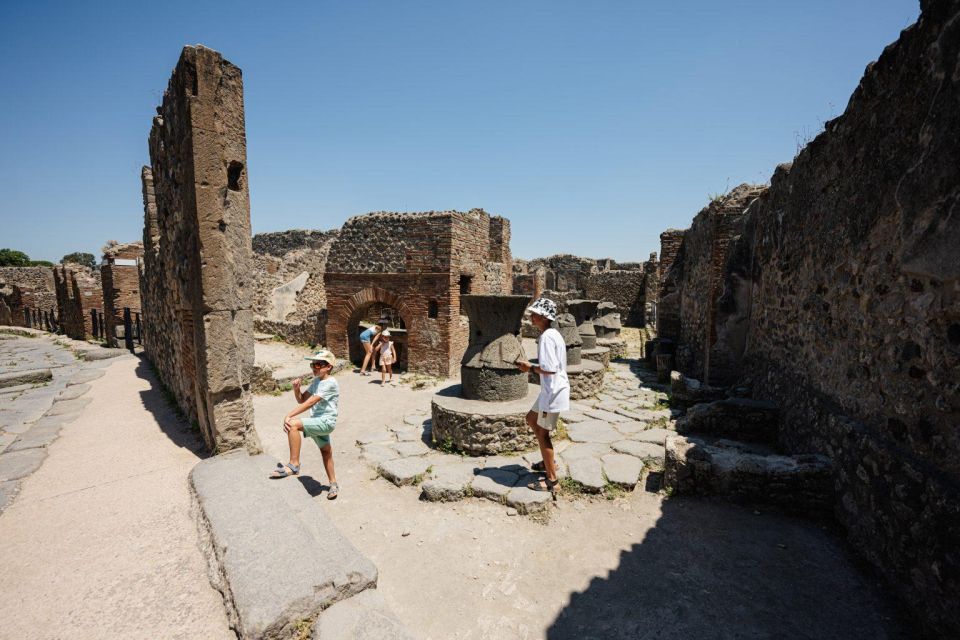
<point>36,290</point>
<point>624,289</point>
<point>198,259</point>
<point>79,291</point>
<point>671,277</point>
<point>290,298</point>
<point>844,283</point>
<point>120,273</point>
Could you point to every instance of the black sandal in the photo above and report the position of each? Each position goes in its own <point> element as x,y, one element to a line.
<point>544,484</point>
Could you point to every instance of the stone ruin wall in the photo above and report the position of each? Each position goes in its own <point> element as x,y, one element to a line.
<point>651,293</point>
<point>284,303</point>
<point>407,260</point>
<point>670,276</point>
<point>79,290</point>
<point>841,304</point>
<point>121,284</point>
<point>699,284</point>
<point>197,282</point>
<point>27,287</point>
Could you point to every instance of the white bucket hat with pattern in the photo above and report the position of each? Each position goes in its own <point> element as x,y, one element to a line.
<point>544,307</point>
<point>325,355</point>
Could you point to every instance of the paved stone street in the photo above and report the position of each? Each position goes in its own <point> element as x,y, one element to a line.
<point>96,537</point>
<point>638,566</point>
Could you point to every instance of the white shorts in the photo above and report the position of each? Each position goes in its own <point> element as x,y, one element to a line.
<point>546,419</point>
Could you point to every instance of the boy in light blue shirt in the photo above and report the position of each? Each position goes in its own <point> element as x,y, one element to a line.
<point>322,398</point>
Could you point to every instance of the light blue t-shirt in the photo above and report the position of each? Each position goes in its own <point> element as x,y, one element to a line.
<point>329,392</point>
<point>367,335</point>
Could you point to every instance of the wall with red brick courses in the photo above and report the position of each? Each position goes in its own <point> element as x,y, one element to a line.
<point>408,261</point>
<point>121,286</point>
<point>79,290</point>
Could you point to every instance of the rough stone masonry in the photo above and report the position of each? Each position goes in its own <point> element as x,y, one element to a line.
<point>841,304</point>
<point>197,286</point>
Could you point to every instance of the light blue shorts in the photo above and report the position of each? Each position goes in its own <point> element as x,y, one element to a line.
<point>319,429</point>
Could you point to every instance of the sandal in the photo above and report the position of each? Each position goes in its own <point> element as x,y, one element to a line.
<point>544,484</point>
<point>284,470</point>
<point>333,491</point>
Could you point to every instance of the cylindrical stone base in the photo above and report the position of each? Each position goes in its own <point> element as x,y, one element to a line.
<point>481,428</point>
<point>589,341</point>
<point>493,385</point>
<point>574,355</point>
<point>617,346</point>
<point>586,379</point>
<point>597,354</point>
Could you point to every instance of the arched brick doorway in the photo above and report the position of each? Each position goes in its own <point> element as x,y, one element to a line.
<point>375,300</point>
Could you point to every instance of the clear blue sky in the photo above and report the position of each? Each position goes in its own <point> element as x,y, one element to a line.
<point>592,126</point>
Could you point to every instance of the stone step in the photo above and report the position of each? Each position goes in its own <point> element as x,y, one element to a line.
<point>739,418</point>
<point>273,552</point>
<point>798,483</point>
<point>31,376</point>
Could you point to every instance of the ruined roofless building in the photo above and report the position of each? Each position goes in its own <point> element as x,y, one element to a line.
<point>416,265</point>
<point>120,276</point>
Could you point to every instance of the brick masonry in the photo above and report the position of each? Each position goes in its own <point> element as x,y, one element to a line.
<point>121,286</point>
<point>416,263</point>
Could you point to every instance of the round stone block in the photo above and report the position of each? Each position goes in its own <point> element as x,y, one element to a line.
<point>493,385</point>
<point>597,354</point>
<point>477,427</point>
<point>586,379</point>
<point>617,346</point>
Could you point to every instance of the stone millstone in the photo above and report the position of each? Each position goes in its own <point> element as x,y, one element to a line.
<point>273,551</point>
<point>365,616</point>
<point>488,369</point>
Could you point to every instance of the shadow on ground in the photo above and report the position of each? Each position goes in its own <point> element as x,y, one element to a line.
<point>168,418</point>
<point>718,571</point>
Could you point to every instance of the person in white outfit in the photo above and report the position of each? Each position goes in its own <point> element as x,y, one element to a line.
<point>554,389</point>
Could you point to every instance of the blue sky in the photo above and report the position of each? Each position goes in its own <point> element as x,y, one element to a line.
<point>592,126</point>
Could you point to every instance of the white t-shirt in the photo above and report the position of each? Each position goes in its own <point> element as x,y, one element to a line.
<point>554,389</point>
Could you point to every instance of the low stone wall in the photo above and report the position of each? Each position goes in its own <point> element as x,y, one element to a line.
<point>738,418</point>
<point>476,427</point>
<point>35,289</point>
<point>798,484</point>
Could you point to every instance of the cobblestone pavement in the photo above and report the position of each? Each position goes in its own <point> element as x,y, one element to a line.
<point>611,443</point>
<point>639,566</point>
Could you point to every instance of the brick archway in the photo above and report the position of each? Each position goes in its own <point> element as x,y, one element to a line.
<point>345,315</point>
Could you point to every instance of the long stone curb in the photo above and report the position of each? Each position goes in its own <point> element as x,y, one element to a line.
<point>32,376</point>
<point>272,551</point>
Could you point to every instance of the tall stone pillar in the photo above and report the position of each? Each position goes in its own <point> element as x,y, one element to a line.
<point>202,266</point>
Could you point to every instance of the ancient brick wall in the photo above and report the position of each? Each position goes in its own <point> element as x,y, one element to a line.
<point>671,275</point>
<point>120,273</point>
<point>197,284</point>
<point>846,277</point>
<point>417,263</point>
<point>35,290</point>
<point>651,292</point>
<point>565,272</point>
<point>289,295</point>
<point>79,291</point>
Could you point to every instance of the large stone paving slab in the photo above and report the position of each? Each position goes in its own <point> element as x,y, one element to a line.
<point>656,435</point>
<point>622,470</point>
<point>17,464</point>
<point>273,551</point>
<point>494,483</point>
<point>593,431</point>
<point>365,616</point>
<point>36,437</point>
<point>588,472</point>
<point>404,471</point>
<point>526,500</point>
<point>68,406</point>
<point>73,391</point>
<point>87,375</point>
<point>649,453</point>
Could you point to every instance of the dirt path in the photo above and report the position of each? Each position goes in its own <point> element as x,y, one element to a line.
<point>100,542</point>
<point>641,566</point>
